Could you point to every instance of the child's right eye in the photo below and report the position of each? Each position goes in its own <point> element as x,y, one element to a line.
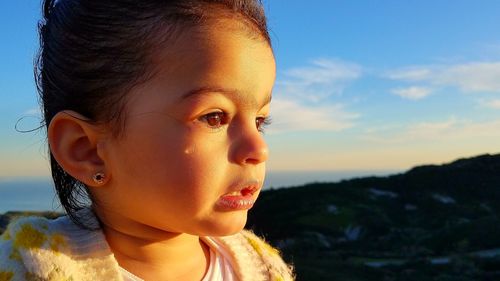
<point>215,120</point>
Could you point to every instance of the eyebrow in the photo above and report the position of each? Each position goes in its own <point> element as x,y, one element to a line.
<point>230,92</point>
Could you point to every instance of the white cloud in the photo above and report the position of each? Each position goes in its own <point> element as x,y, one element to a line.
<point>293,115</point>
<point>452,129</point>
<point>324,71</point>
<point>493,103</point>
<point>305,98</point>
<point>473,77</point>
<point>410,74</point>
<point>491,49</point>
<point>412,93</point>
<point>432,130</point>
<point>468,77</point>
<point>319,80</point>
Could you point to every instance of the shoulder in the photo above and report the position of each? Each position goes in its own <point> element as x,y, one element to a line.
<point>36,234</point>
<point>20,236</point>
<point>254,258</point>
<point>271,256</point>
<point>36,248</point>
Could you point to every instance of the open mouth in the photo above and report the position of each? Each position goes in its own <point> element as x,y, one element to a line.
<point>242,199</point>
<point>247,191</point>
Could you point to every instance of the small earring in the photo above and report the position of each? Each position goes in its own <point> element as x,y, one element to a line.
<point>98,177</point>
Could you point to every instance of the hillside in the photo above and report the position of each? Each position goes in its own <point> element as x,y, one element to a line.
<point>430,223</point>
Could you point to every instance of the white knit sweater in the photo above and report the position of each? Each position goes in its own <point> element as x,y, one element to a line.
<point>35,248</point>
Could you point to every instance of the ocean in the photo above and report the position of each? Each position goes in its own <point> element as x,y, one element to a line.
<point>27,195</point>
<point>38,194</point>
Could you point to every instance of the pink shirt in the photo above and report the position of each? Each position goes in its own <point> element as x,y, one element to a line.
<point>220,268</point>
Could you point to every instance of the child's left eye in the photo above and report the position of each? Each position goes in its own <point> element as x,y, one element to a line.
<point>215,119</point>
<point>262,122</point>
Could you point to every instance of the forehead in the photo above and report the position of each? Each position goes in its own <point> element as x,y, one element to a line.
<point>212,42</point>
<point>218,55</point>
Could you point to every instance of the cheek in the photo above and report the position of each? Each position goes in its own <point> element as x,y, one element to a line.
<point>204,155</point>
<point>178,159</point>
<point>147,154</point>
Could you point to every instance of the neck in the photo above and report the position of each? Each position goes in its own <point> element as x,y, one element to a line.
<point>154,254</point>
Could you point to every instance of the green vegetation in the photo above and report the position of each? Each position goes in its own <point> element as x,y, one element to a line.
<point>430,223</point>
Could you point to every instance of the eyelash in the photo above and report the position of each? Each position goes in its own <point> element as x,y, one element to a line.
<point>264,122</point>
<point>218,119</point>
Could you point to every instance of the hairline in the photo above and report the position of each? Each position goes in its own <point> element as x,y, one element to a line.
<point>175,31</point>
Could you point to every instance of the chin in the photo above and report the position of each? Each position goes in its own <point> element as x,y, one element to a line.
<point>228,224</point>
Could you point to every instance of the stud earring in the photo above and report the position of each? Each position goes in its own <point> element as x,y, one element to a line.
<point>98,177</point>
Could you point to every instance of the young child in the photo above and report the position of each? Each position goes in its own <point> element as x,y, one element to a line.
<point>154,112</point>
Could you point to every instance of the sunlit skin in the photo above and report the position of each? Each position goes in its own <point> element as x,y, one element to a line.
<point>182,150</point>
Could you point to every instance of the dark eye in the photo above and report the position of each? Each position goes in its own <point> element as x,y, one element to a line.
<point>262,122</point>
<point>215,119</point>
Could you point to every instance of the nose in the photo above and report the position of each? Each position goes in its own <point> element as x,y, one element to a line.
<point>250,147</point>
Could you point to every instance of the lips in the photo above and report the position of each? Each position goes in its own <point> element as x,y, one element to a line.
<point>249,190</point>
<point>242,198</point>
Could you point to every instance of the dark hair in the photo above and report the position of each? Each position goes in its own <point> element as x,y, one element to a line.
<point>93,52</point>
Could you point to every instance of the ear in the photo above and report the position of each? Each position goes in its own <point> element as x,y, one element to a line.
<point>75,144</point>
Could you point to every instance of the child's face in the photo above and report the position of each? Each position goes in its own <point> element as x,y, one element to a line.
<point>181,154</point>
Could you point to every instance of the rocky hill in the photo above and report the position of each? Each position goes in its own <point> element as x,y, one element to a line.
<point>430,223</point>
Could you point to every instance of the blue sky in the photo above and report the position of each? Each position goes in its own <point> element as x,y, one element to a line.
<point>362,85</point>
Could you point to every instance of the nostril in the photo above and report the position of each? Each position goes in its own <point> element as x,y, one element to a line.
<point>249,147</point>
<point>257,157</point>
